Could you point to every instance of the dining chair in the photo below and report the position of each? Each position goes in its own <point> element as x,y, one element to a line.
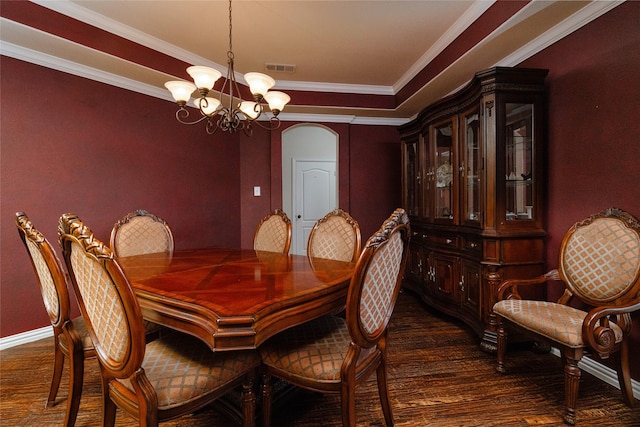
<point>171,376</point>
<point>141,232</point>
<point>332,354</point>
<point>335,236</point>
<point>599,267</point>
<point>70,336</point>
<point>273,233</point>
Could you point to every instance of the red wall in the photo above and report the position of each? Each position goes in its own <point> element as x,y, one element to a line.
<point>73,145</point>
<point>594,120</point>
<point>375,186</point>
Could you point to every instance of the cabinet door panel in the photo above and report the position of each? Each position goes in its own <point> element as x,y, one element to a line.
<point>470,285</point>
<point>445,285</point>
<point>519,149</point>
<point>445,173</point>
<point>411,180</point>
<point>415,264</point>
<point>471,168</point>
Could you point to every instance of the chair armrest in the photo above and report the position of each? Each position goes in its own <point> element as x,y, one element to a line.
<point>596,327</point>
<point>508,289</point>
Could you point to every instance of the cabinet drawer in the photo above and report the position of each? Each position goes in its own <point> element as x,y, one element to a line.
<point>445,240</point>
<point>419,236</point>
<point>472,246</point>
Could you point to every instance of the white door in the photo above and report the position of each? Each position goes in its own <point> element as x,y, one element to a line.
<point>314,194</point>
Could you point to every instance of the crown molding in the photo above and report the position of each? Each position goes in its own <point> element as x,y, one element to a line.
<point>70,67</point>
<point>593,10</point>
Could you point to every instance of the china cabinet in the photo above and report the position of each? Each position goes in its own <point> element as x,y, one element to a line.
<point>473,185</point>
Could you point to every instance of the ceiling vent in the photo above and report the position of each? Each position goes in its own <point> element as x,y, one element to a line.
<point>281,68</point>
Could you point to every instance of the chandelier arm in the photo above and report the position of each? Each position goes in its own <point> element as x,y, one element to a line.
<point>247,128</point>
<point>183,114</point>
<point>274,123</point>
<point>211,127</point>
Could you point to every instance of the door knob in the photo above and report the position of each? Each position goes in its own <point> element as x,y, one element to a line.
<point>299,216</point>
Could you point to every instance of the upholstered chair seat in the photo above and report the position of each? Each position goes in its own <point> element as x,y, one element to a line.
<point>181,368</point>
<point>313,351</point>
<point>557,322</point>
<point>83,333</point>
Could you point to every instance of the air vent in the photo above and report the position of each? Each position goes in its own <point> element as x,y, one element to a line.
<point>281,68</point>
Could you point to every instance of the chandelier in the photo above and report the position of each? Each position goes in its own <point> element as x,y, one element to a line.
<point>220,115</point>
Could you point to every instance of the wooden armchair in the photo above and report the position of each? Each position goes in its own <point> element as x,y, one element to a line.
<point>171,376</point>
<point>600,268</point>
<point>141,232</point>
<point>70,336</point>
<point>335,236</point>
<point>273,233</point>
<point>333,354</point>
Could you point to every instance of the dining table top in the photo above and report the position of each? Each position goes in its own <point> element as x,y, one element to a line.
<point>235,298</point>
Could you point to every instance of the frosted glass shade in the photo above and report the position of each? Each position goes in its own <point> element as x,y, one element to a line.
<point>250,109</point>
<point>277,100</point>
<point>204,77</point>
<point>180,90</point>
<point>207,105</point>
<point>259,83</point>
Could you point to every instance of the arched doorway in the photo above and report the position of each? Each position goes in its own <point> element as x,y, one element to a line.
<point>309,178</point>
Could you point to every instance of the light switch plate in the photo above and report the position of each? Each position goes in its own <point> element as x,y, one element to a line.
<point>256,191</point>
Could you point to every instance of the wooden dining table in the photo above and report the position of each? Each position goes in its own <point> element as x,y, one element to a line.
<point>235,299</point>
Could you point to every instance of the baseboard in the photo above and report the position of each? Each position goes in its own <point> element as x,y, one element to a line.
<point>25,337</point>
<point>602,372</point>
<point>598,370</point>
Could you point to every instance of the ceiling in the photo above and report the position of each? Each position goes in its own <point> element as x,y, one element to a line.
<point>355,61</point>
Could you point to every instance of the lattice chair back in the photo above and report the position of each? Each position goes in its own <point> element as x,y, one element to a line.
<point>48,268</point>
<point>141,232</point>
<point>335,236</point>
<point>600,259</point>
<point>273,233</point>
<point>106,300</point>
<point>377,279</point>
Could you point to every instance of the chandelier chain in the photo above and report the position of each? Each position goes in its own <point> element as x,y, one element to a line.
<point>230,27</point>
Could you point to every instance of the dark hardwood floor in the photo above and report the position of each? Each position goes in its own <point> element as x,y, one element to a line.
<point>438,377</point>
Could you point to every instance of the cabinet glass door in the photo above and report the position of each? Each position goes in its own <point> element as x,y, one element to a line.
<point>519,162</point>
<point>411,181</point>
<point>443,138</point>
<point>471,166</point>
